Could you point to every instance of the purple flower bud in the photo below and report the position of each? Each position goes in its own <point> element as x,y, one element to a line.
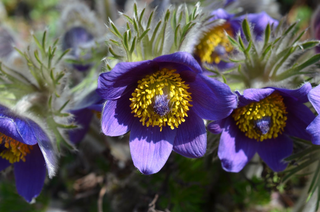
<point>79,40</point>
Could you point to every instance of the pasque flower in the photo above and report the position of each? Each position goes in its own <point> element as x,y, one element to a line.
<point>163,103</point>
<point>25,144</point>
<point>263,123</point>
<point>79,40</point>
<point>214,46</point>
<point>314,127</point>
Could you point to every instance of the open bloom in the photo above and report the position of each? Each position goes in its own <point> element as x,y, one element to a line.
<point>314,128</point>
<point>214,46</point>
<point>162,102</point>
<point>25,145</point>
<point>262,123</point>
<point>83,113</point>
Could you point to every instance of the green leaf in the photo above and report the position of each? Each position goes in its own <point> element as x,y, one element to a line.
<point>115,30</point>
<point>246,29</point>
<point>128,18</point>
<point>133,45</point>
<point>309,44</point>
<point>150,19</point>
<point>62,55</point>
<point>295,70</point>
<point>235,43</point>
<point>143,34</point>
<point>44,40</point>
<point>267,34</point>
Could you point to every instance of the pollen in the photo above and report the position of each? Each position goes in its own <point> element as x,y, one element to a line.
<point>13,150</point>
<point>161,99</point>
<point>262,120</point>
<point>215,45</point>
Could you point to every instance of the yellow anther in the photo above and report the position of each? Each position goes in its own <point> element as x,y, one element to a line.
<point>271,106</point>
<point>163,82</point>
<point>215,37</point>
<point>15,150</point>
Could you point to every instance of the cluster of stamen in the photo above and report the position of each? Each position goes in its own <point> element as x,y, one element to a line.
<point>215,44</point>
<point>161,99</point>
<point>262,120</point>
<point>13,150</point>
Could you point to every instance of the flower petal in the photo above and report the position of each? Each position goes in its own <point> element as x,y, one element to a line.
<point>47,149</point>
<point>82,118</point>
<point>220,14</point>
<point>150,148</point>
<point>179,58</point>
<point>314,98</point>
<point>30,175</point>
<point>216,127</point>
<point>191,139</point>
<point>299,94</point>
<point>116,117</point>
<point>91,100</point>
<point>273,151</point>
<point>235,149</point>
<point>299,117</point>
<point>314,130</point>
<point>253,95</point>
<point>221,102</point>
<point>114,84</point>
<point>4,164</point>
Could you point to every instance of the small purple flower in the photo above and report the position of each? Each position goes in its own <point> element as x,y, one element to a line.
<point>262,123</point>
<point>78,38</point>
<point>83,113</point>
<point>25,145</point>
<point>314,127</point>
<point>214,47</point>
<point>163,103</point>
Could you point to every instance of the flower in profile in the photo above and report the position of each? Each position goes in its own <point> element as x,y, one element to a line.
<point>83,113</point>
<point>163,103</point>
<point>80,29</point>
<point>314,127</point>
<point>78,39</point>
<point>262,123</point>
<point>25,144</point>
<point>214,46</point>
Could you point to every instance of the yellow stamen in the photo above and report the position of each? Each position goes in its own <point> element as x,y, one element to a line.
<point>215,37</point>
<point>164,85</point>
<point>14,150</point>
<point>271,106</point>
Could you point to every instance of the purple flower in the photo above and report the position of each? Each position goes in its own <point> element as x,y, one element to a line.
<point>163,103</point>
<point>25,145</point>
<point>262,123</point>
<point>314,127</point>
<point>78,38</point>
<point>83,113</point>
<point>214,46</point>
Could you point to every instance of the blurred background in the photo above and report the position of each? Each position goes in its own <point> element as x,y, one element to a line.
<point>100,176</point>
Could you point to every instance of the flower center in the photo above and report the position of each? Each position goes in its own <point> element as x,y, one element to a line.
<point>262,120</point>
<point>161,99</point>
<point>13,150</point>
<point>215,45</point>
